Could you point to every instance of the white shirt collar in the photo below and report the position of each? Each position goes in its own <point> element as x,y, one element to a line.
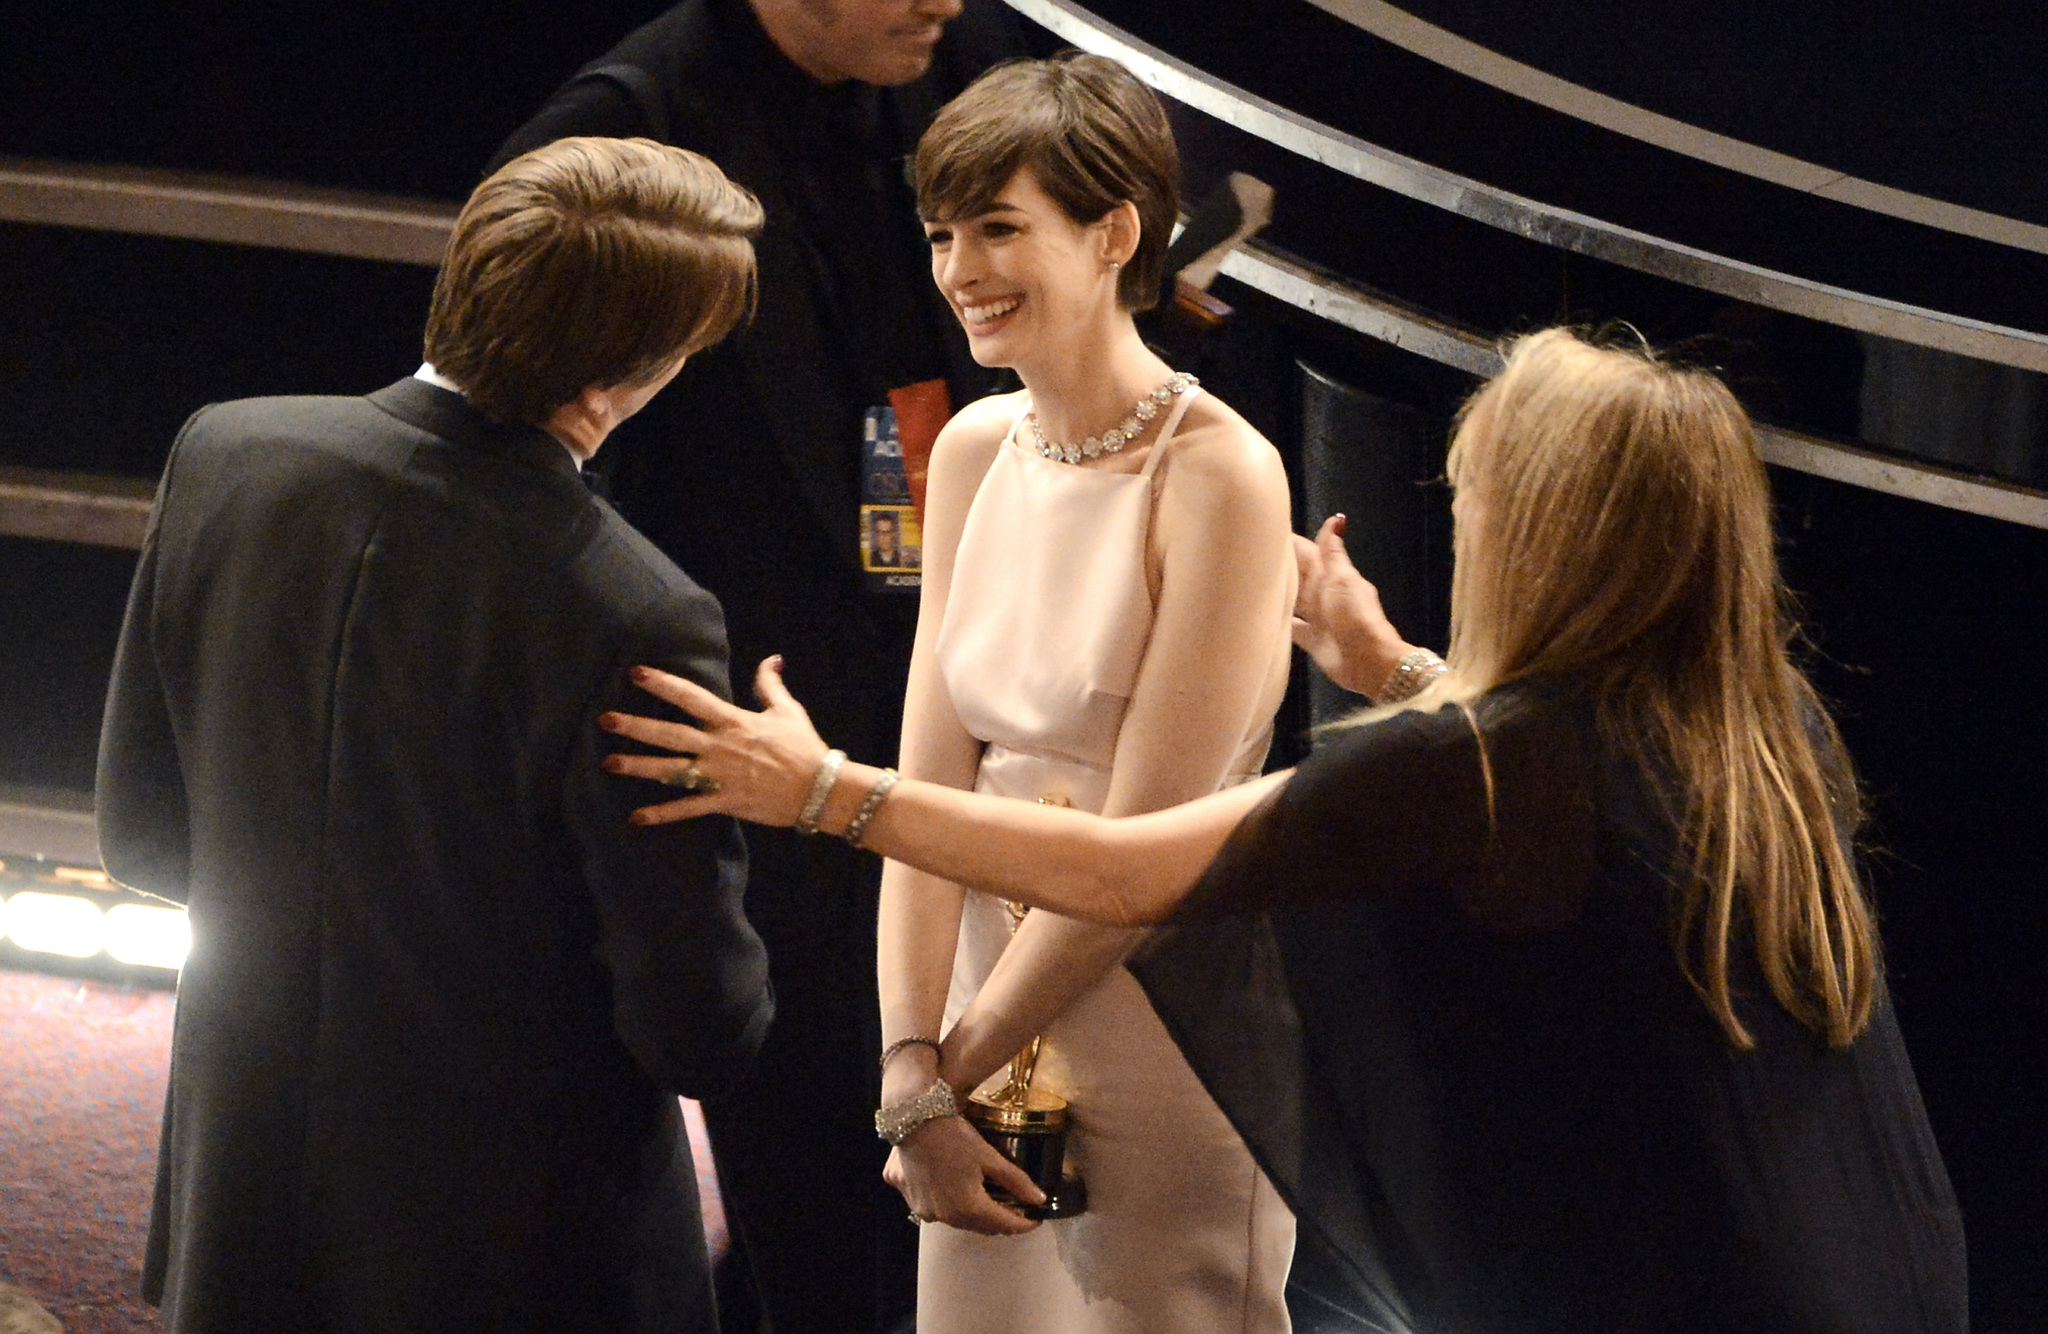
<point>433,377</point>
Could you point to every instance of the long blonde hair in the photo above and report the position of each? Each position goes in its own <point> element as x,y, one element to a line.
<point>1614,526</point>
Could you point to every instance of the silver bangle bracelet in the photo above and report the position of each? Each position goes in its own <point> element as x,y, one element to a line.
<point>1411,676</point>
<point>821,787</point>
<point>889,1052</point>
<point>898,1119</point>
<point>858,828</point>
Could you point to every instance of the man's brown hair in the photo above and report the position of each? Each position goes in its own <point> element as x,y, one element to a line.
<point>1092,136</point>
<point>588,262</point>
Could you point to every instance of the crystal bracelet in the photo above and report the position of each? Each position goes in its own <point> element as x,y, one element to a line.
<point>1411,676</point>
<point>821,788</point>
<point>858,827</point>
<point>898,1119</point>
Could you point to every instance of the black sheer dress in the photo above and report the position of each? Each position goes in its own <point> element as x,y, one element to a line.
<point>1467,1057</point>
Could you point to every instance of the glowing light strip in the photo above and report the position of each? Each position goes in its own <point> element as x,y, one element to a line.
<point>60,924</point>
<point>71,927</point>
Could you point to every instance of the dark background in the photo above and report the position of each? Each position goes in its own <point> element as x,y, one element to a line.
<point>1926,624</point>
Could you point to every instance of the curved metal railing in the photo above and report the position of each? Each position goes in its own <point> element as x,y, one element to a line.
<point>1371,313</point>
<point>1443,47</point>
<point>236,210</point>
<point>1544,223</point>
<point>360,225</point>
<point>1378,316</point>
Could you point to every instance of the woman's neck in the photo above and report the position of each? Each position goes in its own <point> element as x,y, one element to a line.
<point>1088,387</point>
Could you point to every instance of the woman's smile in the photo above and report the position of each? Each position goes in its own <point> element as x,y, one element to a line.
<point>984,315</point>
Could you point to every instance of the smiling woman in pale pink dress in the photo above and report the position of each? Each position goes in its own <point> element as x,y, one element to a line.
<point>1105,623</point>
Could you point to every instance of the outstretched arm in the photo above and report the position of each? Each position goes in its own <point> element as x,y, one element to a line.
<point>1125,872</point>
<point>1132,871</point>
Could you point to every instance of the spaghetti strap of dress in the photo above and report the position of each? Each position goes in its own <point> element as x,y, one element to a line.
<point>1017,423</point>
<point>1168,427</point>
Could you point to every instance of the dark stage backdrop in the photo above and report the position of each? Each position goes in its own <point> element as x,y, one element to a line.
<point>108,342</point>
<point>390,96</point>
<point>1928,624</point>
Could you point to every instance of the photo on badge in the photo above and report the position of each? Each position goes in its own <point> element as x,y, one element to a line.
<point>891,544</point>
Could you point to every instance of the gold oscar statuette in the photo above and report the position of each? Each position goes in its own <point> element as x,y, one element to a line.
<point>1028,1125</point>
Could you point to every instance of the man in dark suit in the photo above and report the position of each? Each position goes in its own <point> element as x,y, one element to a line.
<point>441,997</point>
<point>749,472</point>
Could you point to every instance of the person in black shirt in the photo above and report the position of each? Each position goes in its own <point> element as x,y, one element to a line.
<point>749,472</point>
<point>1551,1002</point>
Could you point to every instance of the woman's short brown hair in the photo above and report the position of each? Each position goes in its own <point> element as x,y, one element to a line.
<point>588,262</point>
<point>1092,136</point>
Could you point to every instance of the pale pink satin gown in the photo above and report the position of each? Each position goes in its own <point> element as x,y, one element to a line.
<point>1045,628</point>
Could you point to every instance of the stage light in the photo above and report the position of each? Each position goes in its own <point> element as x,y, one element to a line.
<point>150,937</point>
<point>56,924</point>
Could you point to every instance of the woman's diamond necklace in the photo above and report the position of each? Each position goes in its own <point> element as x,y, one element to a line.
<point>1116,437</point>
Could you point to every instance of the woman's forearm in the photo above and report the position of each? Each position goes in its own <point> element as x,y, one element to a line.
<point>1123,872</point>
<point>1052,960</point>
<point>916,931</point>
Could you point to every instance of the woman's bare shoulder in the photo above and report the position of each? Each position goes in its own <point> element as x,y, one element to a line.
<point>968,443</point>
<point>1216,449</point>
<point>981,425</point>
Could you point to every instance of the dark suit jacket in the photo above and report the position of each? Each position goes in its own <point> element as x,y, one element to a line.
<point>440,997</point>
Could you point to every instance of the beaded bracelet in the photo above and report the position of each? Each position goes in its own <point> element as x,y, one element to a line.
<point>821,788</point>
<point>898,1119</point>
<point>889,1052</point>
<point>858,827</point>
<point>1411,676</point>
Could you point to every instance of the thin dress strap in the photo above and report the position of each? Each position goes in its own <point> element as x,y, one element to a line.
<point>1017,423</point>
<point>1168,427</point>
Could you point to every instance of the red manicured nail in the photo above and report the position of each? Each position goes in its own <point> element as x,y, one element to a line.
<point>639,676</point>
<point>775,664</point>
